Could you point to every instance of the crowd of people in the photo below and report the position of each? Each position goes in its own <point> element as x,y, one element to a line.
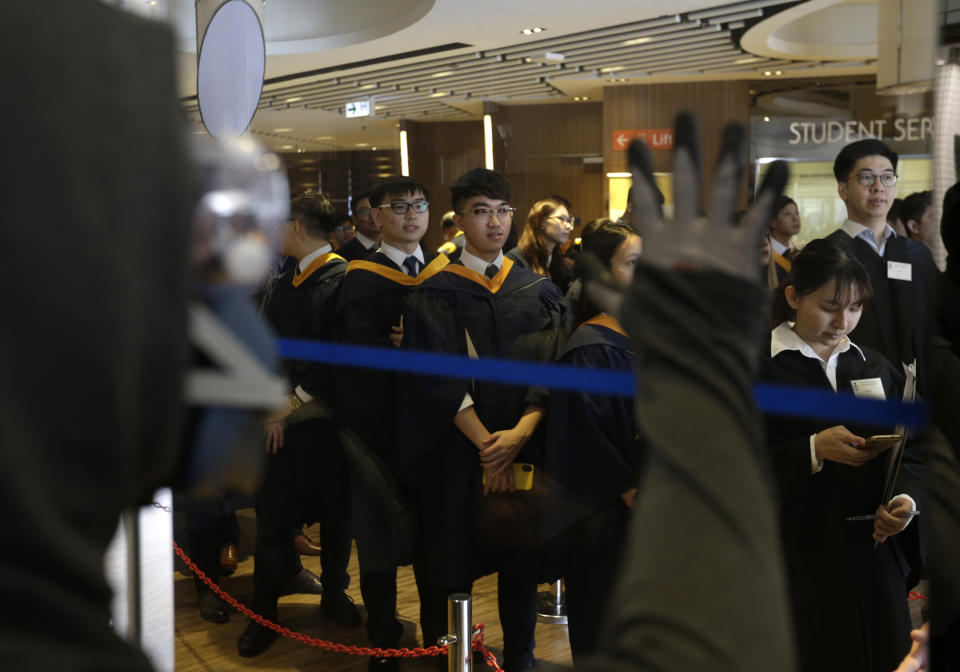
<point>462,477</point>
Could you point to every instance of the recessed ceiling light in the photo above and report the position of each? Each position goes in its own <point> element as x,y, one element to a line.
<point>438,94</point>
<point>639,40</point>
<point>363,144</point>
<point>373,149</point>
<point>778,72</point>
<point>282,130</point>
<point>295,99</point>
<point>300,150</point>
<point>324,137</point>
<point>766,118</point>
<point>767,73</point>
<point>531,31</point>
<point>613,69</point>
<point>752,59</point>
<point>285,147</point>
<point>444,73</point>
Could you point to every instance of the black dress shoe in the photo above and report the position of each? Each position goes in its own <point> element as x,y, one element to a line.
<point>391,664</point>
<point>256,638</point>
<point>306,582</point>
<point>212,608</point>
<point>338,606</point>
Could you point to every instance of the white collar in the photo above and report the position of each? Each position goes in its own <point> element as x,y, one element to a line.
<point>778,247</point>
<point>785,338</point>
<point>475,263</point>
<point>857,230</point>
<point>398,256</point>
<point>366,242</point>
<point>307,260</point>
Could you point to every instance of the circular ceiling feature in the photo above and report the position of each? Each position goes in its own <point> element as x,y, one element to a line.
<point>819,30</point>
<point>230,68</point>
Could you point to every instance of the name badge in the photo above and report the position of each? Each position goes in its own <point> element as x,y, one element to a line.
<point>868,388</point>
<point>897,270</point>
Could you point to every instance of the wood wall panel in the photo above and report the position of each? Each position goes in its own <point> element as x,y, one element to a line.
<point>340,174</point>
<point>656,106</point>
<point>541,150</point>
<point>440,152</point>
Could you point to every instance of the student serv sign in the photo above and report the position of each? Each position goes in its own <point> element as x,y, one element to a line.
<point>656,138</point>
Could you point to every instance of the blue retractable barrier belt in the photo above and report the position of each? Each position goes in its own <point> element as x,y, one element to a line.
<point>775,399</point>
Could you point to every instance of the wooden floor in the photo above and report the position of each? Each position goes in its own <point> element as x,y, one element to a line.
<point>206,647</point>
<point>203,647</point>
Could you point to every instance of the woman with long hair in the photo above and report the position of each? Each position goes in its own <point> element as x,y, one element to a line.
<point>548,226</point>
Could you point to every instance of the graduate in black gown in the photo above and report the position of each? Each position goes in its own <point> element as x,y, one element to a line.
<point>372,299</point>
<point>592,444</point>
<point>306,474</point>
<point>849,598</point>
<point>453,431</point>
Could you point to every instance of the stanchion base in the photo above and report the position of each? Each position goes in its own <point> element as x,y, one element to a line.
<point>548,611</point>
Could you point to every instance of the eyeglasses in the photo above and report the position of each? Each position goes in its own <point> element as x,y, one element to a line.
<point>401,207</point>
<point>346,227</point>
<point>362,211</point>
<point>566,221</point>
<point>870,179</point>
<point>503,214</point>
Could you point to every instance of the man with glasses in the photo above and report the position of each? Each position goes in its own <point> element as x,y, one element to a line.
<point>458,439</point>
<point>372,299</point>
<point>367,237</point>
<point>900,269</point>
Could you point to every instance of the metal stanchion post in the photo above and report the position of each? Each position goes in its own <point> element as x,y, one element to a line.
<point>131,530</point>
<point>552,607</point>
<point>459,637</point>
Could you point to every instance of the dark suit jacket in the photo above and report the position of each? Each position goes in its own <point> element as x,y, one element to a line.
<point>354,249</point>
<point>96,212</point>
<point>897,322</point>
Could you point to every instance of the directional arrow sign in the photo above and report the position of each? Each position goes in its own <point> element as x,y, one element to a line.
<point>359,108</point>
<point>656,138</point>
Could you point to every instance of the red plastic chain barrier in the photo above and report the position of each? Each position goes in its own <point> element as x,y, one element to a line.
<point>417,652</point>
<point>913,595</point>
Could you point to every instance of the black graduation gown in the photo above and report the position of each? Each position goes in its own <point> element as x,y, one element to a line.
<point>515,315</point>
<point>897,321</point>
<point>304,312</point>
<point>372,299</point>
<point>353,249</point>
<point>849,599</point>
<point>592,439</point>
<point>593,452</point>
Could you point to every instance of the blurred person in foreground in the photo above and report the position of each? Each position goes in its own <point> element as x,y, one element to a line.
<point>94,349</point>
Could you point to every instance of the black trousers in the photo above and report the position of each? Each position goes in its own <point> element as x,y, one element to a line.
<point>306,481</point>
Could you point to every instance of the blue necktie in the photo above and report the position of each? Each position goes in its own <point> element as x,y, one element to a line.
<point>491,271</point>
<point>411,265</point>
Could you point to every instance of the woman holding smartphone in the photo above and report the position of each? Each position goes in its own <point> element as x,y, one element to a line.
<point>592,448</point>
<point>846,577</point>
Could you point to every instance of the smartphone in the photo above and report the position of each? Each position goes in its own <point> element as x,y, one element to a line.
<point>522,476</point>
<point>883,441</point>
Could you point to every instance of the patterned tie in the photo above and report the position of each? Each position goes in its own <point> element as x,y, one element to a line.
<point>411,265</point>
<point>491,271</point>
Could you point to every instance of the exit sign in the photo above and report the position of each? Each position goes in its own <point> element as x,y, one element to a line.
<point>656,138</point>
<point>359,108</point>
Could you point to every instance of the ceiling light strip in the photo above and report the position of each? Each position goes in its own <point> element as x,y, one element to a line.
<point>737,6</point>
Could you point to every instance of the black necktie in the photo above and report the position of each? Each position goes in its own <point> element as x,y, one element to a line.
<point>411,265</point>
<point>491,271</point>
